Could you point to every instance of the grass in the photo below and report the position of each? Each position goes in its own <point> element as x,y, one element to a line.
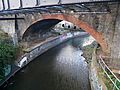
<point>104,78</point>
<point>107,81</point>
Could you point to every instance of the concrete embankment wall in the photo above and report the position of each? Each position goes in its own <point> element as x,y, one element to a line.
<point>93,75</point>
<point>96,76</point>
<point>39,49</point>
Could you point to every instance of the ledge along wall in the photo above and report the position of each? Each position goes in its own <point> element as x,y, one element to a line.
<point>39,49</point>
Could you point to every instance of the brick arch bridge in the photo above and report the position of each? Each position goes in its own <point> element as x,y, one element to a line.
<point>83,25</point>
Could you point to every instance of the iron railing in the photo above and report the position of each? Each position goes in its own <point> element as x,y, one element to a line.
<point>110,75</point>
<point>18,4</point>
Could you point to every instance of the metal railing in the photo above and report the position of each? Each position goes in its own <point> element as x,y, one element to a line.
<point>110,75</point>
<point>18,4</point>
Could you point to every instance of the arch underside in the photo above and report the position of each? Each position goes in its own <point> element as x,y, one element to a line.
<point>84,26</point>
<point>40,27</point>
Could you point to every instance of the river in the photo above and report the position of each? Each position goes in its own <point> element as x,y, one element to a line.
<point>60,68</point>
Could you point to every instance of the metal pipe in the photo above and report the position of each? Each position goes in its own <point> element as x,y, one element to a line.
<point>21,4</point>
<point>3,4</point>
<point>37,2</point>
<point>8,2</point>
<point>59,2</point>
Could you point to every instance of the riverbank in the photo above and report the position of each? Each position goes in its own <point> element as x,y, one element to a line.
<point>32,53</point>
<point>100,75</point>
<point>89,53</point>
<point>59,68</point>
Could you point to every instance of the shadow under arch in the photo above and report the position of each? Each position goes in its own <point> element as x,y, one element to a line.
<point>52,19</point>
<point>40,26</point>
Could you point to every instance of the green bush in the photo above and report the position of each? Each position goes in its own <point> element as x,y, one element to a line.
<point>7,56</point>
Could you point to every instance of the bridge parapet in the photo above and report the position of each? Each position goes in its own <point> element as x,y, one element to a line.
<point>6,5</point>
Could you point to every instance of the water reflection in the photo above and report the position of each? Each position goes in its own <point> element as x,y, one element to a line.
<point>61,68</point>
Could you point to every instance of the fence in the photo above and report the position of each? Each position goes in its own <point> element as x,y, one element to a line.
<point>18,4</point>
<point>110,75</point>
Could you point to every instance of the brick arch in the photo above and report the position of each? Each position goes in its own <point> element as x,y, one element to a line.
<point>83,25</point>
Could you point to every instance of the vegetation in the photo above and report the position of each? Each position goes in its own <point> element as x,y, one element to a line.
<point>107,81</point>
<point>118,84</point>
<point>7,53</point>
<point>87,51</point>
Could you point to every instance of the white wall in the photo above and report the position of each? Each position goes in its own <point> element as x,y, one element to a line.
<point>48,2</point>
<point>29,3</point>
<point>1,6</point>
<point>6,4</point>
<point>14,4</point>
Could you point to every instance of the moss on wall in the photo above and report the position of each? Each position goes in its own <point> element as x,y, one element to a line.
<point>87,51</point>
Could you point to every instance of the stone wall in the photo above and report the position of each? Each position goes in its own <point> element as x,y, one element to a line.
<point>103,22</point>
<point>8,26</point>
<point>115,44</point>
<point>109,25</point>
